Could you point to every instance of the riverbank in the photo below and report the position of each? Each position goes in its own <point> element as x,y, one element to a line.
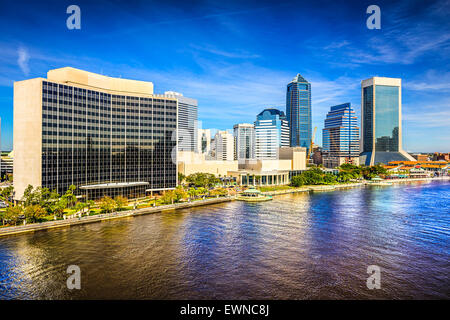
<point>107,216</point>
<point>333,187</point>
<point>317,188</point>
<point>164,208</point>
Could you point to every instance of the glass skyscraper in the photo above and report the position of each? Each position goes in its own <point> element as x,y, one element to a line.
<point>271,133</point>
<point>381,107</point>
<point>340,136</point>
<point>298,112</point>
<point>104,135</point>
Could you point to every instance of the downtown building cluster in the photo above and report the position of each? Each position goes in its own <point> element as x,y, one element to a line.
<point>113,136</point>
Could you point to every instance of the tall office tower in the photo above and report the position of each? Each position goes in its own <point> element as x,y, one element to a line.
<point>203,141</point>
<point>106,136</point>
<point>340,137</point>
<point>381,109</point>
<point>298,112</point>
<point>224,146</point>
<point>244,135</point>
<point>187,121</point>
<point>271,133</point>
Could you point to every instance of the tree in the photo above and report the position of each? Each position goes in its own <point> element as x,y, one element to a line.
<point>219,192</point>
<point>313,176</point>
<point>29,196</point>
<point>58,207</point>
<point>199,179</point>
<point>90,204</point>
<point>69,196</point>
<point>298,181</point>
<point>80,206</point>
<point>107,204</point>
<point>179,194</point>
<point>168,197</point>
<point>192,193</point>
<point>329,178</point>
<point>121,202</point>
<point>12,214</point>
<point>181,178</point>
<point>202,191</point>
<point>34,213</point>
<point>6,195</point>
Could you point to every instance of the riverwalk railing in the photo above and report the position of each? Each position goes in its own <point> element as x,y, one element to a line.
<point>108,216</point>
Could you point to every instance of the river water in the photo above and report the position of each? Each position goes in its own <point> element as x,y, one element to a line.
<point>298,246</point>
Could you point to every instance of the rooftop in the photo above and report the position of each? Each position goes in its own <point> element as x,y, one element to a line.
<point>299,78</point>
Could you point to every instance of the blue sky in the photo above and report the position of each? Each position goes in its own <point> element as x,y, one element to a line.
<point>236,57</point>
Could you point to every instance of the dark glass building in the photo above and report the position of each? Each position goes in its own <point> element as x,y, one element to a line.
<point>340,136</point>
<point>298,112</point>
<point>114,138</point>
<point>381,121</point>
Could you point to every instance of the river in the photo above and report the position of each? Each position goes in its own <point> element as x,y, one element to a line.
<point>298,246</point>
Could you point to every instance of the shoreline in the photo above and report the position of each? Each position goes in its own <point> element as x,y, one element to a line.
<point>48,225</point>
<point>32,227</point>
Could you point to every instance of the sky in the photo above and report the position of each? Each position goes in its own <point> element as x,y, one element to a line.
<point>236,57</point>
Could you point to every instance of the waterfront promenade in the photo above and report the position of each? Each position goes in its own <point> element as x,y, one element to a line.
<point>107,216</point>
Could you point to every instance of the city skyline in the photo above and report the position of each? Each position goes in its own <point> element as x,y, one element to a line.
<point>239,76</point>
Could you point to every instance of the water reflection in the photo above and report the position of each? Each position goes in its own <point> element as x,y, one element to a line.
<point>298,246</point>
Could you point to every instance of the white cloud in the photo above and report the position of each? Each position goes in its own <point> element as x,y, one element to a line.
<point>22,60</point>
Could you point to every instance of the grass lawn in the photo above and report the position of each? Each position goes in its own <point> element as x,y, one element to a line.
<point>275,188</point>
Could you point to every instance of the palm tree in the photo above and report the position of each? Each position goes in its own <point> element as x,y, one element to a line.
<point>192,193</point>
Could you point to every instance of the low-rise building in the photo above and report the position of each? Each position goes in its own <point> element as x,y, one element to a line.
<point>432,167</point>
<point>420,157</point>
<point>291,162</point>
<point>191,162</point>
<point>437,156</point>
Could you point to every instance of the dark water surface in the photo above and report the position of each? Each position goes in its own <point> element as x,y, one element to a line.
<point>298,246</point>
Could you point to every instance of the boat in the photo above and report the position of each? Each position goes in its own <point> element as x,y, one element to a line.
<point>377,181</point>
<point>253,195</point>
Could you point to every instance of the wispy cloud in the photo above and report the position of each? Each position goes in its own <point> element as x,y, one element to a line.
<point>22,60</point>
<point>430,81</point>
<point>240,54</point>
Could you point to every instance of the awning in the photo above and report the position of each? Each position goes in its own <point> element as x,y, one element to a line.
<point>114,185</point>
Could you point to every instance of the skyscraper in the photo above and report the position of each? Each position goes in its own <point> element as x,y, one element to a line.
<point>340,137</point>
<point>244,135</point>
<point>381,109</point>
<point>187,121</point>
<point>106,136</point>
<point>271,133</point>
<point>224,146</point>
<point>298,112</point>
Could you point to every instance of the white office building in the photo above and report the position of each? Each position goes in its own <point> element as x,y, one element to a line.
<point>271,133</point>
<point>224,146</point>
<point>187,121</point>
<point>244,137</point>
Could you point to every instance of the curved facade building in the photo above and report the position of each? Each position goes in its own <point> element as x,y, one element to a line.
<point>271,133</point>
<point>107,136</point>
<point>340,136</point>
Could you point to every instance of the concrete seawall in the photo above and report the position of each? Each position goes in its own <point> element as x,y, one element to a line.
<point>107,216</point>
<point>314,188</point>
